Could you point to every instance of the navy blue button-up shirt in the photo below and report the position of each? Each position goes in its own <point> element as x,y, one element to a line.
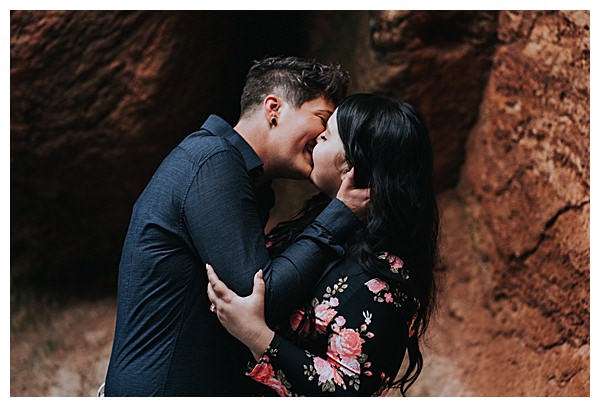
<point>202,206</point>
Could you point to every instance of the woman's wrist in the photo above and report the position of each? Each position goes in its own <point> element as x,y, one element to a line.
<point>261,342</point>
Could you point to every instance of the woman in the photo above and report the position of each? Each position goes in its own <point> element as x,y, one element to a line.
<point>372,303</point>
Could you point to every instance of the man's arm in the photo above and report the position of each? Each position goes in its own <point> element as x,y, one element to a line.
<point>221,216</point>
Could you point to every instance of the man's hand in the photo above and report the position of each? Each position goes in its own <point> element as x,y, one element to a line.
<point>357,200</point>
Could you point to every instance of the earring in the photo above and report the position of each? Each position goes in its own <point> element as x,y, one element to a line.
<point>273,121</point>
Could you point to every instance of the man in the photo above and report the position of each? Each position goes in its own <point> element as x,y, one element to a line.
<point>208,203</point>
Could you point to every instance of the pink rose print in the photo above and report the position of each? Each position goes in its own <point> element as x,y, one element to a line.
<point>323,316</point>
<point>340,321</point>
<point>324,370</point>
<point>263,373</point>
<point>395,261</point>
<point>334,302</point>
<point>388,297</point>
<point>279,388</point>
<point>347,344</point>
<point>375,285</point>
<point>337,378</point>
<point>296,320</point>
<point>350,366</point>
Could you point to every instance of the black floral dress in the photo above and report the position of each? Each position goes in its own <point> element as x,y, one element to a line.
<point>349,340</point>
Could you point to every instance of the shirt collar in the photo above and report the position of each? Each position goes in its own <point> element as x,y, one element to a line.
<point>220,127</point>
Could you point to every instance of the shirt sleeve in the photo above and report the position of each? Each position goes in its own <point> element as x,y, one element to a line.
<point>366,343</point>
<point>220,212</point>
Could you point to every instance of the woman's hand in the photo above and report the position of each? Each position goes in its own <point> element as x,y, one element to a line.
<point>358,200</point>
<point>242,317</point>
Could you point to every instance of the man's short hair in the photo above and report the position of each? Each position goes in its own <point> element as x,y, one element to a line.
<point>294,79</point>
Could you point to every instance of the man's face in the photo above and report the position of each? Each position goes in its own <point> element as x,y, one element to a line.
<point>299,128</point>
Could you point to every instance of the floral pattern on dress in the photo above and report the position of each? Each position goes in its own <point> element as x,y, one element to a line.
<point>264,373</point>
<point>384,293</point>
<point>345,359</point>
<point>323,314</point>
<point>341,363</point>
<point>382,290</point>
<point>385,386</point>
<point>396,264</point>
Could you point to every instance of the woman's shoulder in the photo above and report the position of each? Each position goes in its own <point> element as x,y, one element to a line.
<point>391,283</point>
<point>386,282</point>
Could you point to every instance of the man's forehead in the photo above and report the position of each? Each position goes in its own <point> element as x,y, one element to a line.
<point>327,111</point>
<point>320,105</point>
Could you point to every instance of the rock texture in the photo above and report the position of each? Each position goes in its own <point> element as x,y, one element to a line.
<point>60,350</point>
<point>91,94</point>
<point>438,61</point>
<point>516,316</point>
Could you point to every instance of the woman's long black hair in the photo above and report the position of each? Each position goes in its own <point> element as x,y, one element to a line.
<point>387,143</point>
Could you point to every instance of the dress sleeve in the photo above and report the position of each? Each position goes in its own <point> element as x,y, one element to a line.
<point>220,213</point>
<point>366,341</point>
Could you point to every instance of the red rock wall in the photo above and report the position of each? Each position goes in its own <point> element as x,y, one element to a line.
<point>526,184</point>
<point>439,61</point>
<point>91,98</point>
<point>516,314</point>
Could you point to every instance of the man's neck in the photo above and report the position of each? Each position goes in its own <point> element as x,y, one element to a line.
<point>256,136</point>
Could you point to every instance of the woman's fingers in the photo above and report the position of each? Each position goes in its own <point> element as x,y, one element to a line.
<point>219,287</point>
<point>348,180</point>
<point>212,297</point>
<point>348,176</point>
<point>222,298</point>
<point>259,284</point>
<point>356,199</point>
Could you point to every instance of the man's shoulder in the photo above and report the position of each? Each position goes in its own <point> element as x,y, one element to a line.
<point>202,145</point>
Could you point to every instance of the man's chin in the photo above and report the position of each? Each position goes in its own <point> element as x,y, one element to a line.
<point>305,173</point>
<point>298,175</point>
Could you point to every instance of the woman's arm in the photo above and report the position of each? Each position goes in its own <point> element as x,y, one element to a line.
<point>365,345</point>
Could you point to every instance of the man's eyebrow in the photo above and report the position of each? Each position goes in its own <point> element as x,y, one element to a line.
<point>325,111</point>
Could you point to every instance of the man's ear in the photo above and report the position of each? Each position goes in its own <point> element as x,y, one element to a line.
<point>271,108</point>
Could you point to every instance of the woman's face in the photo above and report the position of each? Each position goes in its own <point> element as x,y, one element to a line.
<point>328,159</point>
